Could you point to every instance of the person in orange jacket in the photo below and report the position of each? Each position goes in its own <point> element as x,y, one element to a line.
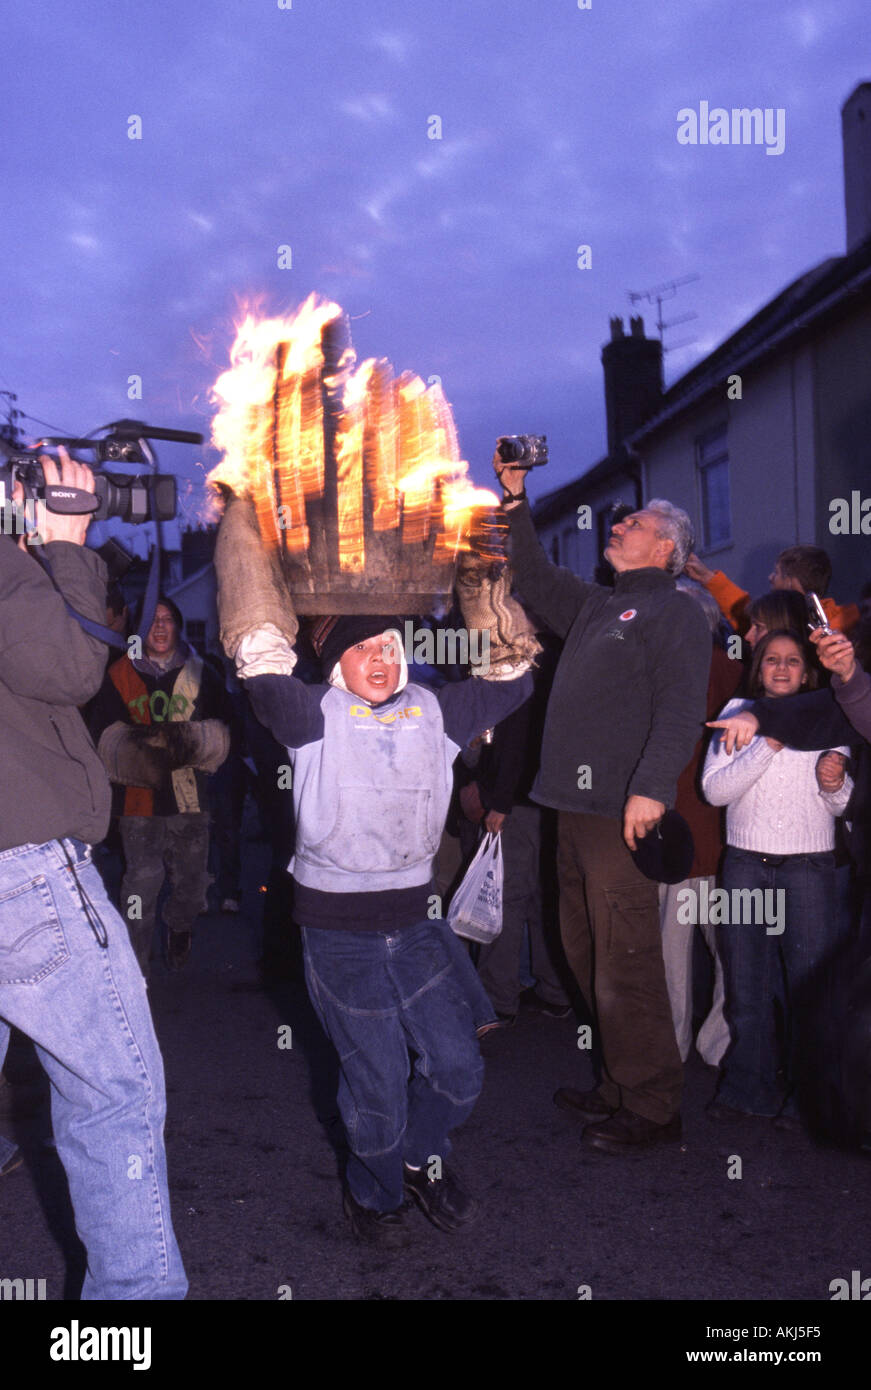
<point>802,568</point>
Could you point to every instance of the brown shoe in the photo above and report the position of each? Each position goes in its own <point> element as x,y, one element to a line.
<point>584,1105</point>
<point>626,1132</point>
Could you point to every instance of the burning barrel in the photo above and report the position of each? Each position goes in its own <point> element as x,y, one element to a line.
<point>355,474</point>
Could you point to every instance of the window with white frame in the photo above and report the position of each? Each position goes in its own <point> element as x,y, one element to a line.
<point>712,471</point>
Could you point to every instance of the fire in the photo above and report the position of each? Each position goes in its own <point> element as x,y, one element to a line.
<point>355,474</point>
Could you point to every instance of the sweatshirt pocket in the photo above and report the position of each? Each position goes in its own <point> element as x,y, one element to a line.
<point>379,830</point>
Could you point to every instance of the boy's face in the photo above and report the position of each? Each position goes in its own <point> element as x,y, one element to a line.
<point>371,669</point>
<point>162,638</point>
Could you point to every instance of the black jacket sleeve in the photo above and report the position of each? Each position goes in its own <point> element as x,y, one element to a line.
<point>555,594</point>
<point>805,722</point>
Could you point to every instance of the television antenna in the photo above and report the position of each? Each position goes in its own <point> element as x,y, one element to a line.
<point>658,295</point>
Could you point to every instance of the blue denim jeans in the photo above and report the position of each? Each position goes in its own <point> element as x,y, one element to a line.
<point>759,967</point>
<point>85,1007</point>
<point>398,1013</point>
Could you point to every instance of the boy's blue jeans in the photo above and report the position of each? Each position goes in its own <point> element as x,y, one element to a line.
<point>380,998</point>
<point>86,1009</point>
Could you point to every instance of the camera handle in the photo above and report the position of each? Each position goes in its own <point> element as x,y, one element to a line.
<point>69,501</point>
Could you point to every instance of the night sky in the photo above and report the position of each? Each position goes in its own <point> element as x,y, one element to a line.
<point>309,127</point>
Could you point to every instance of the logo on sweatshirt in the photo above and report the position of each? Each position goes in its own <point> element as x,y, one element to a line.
<point>367,713</point>
<point>628,614</point>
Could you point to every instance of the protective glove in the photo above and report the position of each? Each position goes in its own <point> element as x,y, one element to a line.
<point>146,755</point>
<point>484,592</point>
<point>251,587</point>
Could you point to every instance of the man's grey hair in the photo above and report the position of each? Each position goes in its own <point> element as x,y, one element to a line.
<point>674,525</point>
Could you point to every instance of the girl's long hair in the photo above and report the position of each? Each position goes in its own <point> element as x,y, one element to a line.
<point>755,688</point>
<point>782,610</point>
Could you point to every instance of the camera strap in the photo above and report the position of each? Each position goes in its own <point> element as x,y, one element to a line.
<point>99,630</point>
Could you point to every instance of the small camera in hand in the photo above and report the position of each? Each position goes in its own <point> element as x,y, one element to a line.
<point>522,450</point>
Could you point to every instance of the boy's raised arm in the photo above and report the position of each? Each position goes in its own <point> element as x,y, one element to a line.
<point>259,626</point>
<point>471,706</point>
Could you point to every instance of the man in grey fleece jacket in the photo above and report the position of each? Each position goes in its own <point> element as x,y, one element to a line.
<point>625,711</point>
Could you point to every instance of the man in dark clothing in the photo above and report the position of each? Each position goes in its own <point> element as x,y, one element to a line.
<point>68,977</point>
<point>625,712</point>
<point>167,706</point>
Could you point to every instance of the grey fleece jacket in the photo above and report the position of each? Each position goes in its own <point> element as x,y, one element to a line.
<point>629,696</point>
<point>52,783</point>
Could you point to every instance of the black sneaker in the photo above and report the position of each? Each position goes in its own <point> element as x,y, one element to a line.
<point>441,1200</point>
<point>534,1002</point>
<point>386,1228</point>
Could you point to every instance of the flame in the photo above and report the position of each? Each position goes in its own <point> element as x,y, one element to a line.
<point>336,455</point>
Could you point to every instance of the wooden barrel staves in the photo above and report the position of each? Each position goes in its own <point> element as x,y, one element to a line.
<point>355,473</point>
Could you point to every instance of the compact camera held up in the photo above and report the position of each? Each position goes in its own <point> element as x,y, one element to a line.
<point>522,450</point>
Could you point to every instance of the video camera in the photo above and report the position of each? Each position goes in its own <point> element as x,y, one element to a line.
<point>135,497</point>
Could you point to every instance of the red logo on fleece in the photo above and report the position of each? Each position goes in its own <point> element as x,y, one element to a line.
<point>628,615</point>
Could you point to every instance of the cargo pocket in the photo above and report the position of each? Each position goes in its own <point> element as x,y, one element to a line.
<point>633,921</point>
<point>32,941</point>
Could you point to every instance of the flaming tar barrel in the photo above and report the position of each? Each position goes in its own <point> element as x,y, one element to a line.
<point>355,474</point>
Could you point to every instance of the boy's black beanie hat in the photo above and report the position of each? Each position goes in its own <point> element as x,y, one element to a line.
<point>331,637</point>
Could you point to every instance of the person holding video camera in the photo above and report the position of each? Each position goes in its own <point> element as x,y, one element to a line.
<point>68,976</point>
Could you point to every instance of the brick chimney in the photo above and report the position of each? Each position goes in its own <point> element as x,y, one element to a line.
<point>633,380</point>
<point>856,135</point>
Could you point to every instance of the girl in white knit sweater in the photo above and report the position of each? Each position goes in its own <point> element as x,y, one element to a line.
<point>778,877</point>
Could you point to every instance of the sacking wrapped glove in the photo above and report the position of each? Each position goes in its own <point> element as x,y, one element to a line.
<point>484,592</point>
<point>146,755</point>
<point>252,591</point>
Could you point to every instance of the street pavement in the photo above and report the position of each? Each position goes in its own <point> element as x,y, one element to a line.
<point>254,1149</point>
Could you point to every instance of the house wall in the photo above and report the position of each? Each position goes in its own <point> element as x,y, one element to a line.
<point>578,548</point>
<point>770,441</point>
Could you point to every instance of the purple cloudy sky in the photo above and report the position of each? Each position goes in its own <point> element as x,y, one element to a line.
<point>308,126</point>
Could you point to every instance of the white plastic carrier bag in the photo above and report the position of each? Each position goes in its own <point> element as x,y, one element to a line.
<point>476,908</point>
